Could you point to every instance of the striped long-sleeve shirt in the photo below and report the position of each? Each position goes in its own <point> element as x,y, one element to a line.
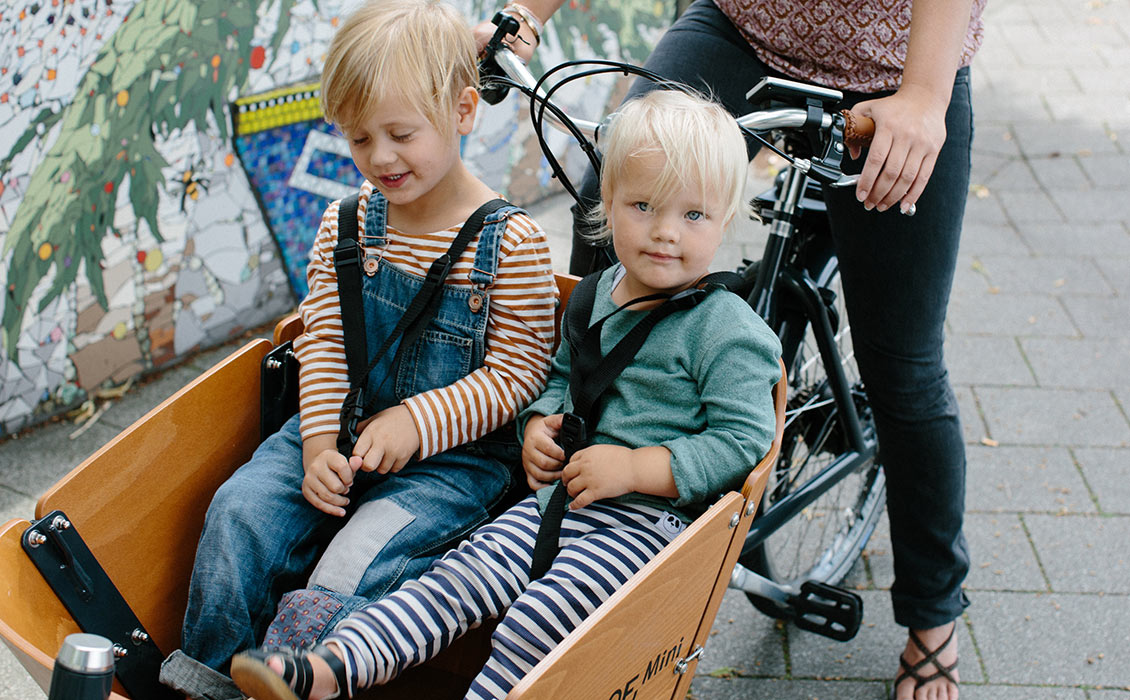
<point>519,334</point>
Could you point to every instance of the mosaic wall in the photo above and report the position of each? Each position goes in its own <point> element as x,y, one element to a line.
<point>146,212</point>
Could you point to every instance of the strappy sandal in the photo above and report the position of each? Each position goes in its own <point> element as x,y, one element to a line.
<point>256,679</point>
<point>907,670</point>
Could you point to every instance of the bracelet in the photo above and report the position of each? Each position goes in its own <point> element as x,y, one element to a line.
<point>522,13</point>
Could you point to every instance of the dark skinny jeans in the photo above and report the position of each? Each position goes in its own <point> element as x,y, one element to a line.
<point>897,272</point>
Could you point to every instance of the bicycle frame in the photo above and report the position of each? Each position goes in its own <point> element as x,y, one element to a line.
<point>778,278</point>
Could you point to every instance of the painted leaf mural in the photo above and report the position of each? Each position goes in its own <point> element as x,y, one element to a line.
<point>141,221</point>
<point>171,63</point>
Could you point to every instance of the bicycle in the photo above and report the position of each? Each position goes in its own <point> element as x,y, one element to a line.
<point>826,492</point>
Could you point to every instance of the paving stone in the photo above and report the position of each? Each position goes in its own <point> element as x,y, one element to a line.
<point>1029,416</point>
<point>873,654</point>
<point>1107,171</point>
<point>1000,239</point>
<point>1060,172</point>
<point>1079,362</point>
<point>1025,479</point>
<point>1104,694</point>
<point>1093,206</point>
<point>1025,206</point>
<point>1083,554</point>
<point>878,556</point>
<point>32,463</point>
<point>743,640</point>
<point>1052,638</point>
<point>992,138</point>
<point>1012,314</point>
<point>1085,116</point>
<point>1000,556</point>
<point>1116,272</point>
<point>745,688</point>
<point>1013,176</point>
<point>1108,473</point>
<point>15,683</point>
<point>969,275</point>
<point>986,211</point>
<point>973,427</point>
<point>1044,275</point>
<point>986,360</point>
<point>1072,240</point>
<point>14,504</point>
<point>1042,141</point>
<point>970,691</point>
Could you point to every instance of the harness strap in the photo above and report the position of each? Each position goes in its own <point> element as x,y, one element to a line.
<point>590,375</point>
<point>421,310</point>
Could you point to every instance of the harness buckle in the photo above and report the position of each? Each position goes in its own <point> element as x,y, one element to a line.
<point>573,435</point>
<point>352,410</point>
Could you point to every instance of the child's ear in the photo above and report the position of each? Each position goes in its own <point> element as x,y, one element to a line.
<point>465,106</point>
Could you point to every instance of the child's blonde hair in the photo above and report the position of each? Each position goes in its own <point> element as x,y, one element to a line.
<point>421,51</point>
<point>700,141</point>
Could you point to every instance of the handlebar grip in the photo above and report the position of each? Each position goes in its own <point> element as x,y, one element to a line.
<point>858,131</point>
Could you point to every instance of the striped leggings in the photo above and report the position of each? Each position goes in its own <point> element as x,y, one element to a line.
<point>602,545</point>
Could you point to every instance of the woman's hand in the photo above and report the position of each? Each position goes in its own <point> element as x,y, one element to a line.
<point>523,45</point>
<point>387,441</point>
<point>910,128</point>
<point>541,455</point>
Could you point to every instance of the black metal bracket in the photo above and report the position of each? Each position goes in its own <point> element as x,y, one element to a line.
<point>82,585</point>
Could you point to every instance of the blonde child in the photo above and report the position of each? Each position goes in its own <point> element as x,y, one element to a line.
<point>401,84</point>
<point>684,422</point>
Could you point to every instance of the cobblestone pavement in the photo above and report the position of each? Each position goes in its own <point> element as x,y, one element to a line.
<point>1039,351</point>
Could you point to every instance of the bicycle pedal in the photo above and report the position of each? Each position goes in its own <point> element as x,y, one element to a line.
<point>827,610</point>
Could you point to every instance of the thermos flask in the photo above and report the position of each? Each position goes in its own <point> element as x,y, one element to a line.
<point>84,669</point>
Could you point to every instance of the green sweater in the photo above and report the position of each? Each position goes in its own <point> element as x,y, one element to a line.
<point>701,386</point>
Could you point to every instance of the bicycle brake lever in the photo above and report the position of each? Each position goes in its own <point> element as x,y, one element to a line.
<point>493,91</point>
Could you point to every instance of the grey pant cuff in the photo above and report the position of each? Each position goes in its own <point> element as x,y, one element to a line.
<point>185,674</point>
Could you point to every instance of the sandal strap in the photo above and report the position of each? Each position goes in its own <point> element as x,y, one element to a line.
<point>338,667</point>
<point>297,671</point>
<point>930,658</point>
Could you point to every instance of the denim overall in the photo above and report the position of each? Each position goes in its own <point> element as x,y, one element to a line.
<point>260,534</point>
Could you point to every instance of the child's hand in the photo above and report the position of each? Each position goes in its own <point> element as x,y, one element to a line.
<point>387,441</point>
<point>598,472</point>
<point>328,478</point>
<point>608,471</point>
<point>541,455</point>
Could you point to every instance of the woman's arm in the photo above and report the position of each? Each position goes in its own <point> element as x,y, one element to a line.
<point>910,125</point>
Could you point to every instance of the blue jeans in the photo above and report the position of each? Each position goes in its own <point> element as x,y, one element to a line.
<point>897,273</point>
<point>261,537</point>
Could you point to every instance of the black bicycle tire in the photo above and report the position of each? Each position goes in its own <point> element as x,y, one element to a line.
<point>760,560</point>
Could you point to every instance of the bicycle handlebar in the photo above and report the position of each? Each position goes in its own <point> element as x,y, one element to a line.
<point>838,130</point>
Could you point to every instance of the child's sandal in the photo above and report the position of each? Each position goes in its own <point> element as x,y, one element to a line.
<point>256,679</point>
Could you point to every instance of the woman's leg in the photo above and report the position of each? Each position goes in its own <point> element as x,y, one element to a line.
<point>897,273</point>
<point>602,547</point>
<point>704,50</point>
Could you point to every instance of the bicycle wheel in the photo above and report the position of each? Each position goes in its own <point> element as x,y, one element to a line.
<point>826,538</point>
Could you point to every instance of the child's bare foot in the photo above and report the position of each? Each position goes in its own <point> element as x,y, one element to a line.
<point>314,674</point>
<point>928,665</point>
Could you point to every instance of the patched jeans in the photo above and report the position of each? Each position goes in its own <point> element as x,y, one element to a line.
<point>261,537</point>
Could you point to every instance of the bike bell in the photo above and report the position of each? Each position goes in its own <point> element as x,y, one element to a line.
<point>84,669</point>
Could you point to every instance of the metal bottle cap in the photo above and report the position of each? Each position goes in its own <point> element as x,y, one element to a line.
<point>86,653</point>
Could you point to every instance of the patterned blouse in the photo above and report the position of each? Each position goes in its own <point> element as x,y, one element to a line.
<point>857,45</point>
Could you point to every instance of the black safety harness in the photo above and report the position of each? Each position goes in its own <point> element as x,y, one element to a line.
<point>590,375</point>
<point>421,310</point>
